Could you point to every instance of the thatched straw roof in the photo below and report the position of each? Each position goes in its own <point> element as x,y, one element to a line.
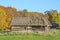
<point>29,21</point>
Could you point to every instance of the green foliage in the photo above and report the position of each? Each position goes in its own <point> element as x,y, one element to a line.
<point>26,13</point>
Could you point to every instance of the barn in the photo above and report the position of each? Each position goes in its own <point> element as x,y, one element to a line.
<point>29,24</point>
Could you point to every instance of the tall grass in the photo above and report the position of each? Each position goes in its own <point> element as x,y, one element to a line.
<point>33,36</point>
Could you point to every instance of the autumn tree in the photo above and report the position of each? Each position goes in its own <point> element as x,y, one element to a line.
<point>49,15</point>
<point>3,18</point>
<point>59,20</point>
<point>35,14</point>
<point>56,17</point>
<point>11,12</point>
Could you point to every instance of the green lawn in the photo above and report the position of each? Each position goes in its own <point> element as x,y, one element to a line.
<point>31,37</point>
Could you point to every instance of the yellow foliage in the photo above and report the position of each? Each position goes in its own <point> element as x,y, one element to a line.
<point>56,17</point>
<point>35,14</point>
<point>3,18</point>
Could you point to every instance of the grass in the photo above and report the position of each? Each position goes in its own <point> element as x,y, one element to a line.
<point>55,36</point>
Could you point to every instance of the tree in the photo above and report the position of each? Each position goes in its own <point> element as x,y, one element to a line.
<point>11,12</point>
<point>35,14</point>
<point>49,15</point>
<point>3,18</point>
<point>26,13</point>
<point>55,16</point>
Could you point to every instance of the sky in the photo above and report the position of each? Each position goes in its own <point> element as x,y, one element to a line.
<point>32,5</point>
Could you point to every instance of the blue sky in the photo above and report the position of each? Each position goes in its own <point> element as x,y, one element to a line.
<point>32,5</point>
